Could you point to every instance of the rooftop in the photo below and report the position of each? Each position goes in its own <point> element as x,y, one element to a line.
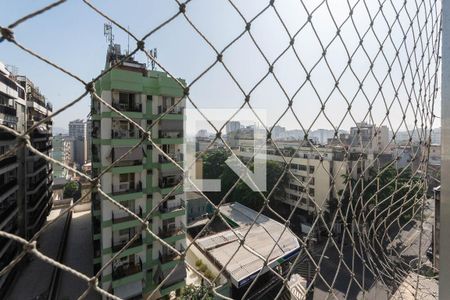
<point>261,238</point>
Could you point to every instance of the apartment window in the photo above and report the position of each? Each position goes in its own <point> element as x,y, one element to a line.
<point>169,223</point>
<point>301,167</point>
<point>123,177</point>
<point>126,99</point>
<point>129,204</point>
<point>123,231</point>
<point>149,97</point>
<point>311,169</point>
<point>311,192</point>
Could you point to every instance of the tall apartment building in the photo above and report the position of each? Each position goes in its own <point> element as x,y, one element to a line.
<point>25,179</point>
<point>233,126</point>
<point>59,155</point>
<point>12,105</point>
<point>38,172</point>
<point>369,138</point>
<point>139,182</point>
<point>77,128</point>
<point>77,132</point>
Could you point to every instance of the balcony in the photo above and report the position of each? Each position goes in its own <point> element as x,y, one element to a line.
<point>8,161</point>
<point>167,207</point>
<point>166,232</point>
<point>169,181</point>
<point>7,209</point>
<point>36,197</point>
<point>132,106</point>
<point>95,133</point>
<point>125,134</point>
<point>96,226</point>
<point>176,276</point>
<point>8,110</point>
<point>8,186</point>
<point>126,270</point>
<point>97,248</point>
<point>126,188</point>
<point>177,110</point>
<point>96,203</point>
<point>168,255</point>
<point>166,134</point>
<point>120,245</point>
<point>177,157</point>
<point>125,216</point>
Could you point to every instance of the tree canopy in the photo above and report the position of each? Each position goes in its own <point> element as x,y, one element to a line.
<point>214,167</point>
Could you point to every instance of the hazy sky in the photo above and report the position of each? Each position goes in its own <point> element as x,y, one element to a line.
<point>71,35</point>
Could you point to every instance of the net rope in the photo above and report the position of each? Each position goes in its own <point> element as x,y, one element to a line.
<point>408,85</point>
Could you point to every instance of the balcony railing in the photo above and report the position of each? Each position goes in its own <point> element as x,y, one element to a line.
<point>177,157</point>
<point>177,110</point>
<point>119,219</point>
<point>7,209</point>
<point>8,161</point>
<point>165,208</point>
<point>126,270</point>
<point>136,107</point>
<point>125,134</point>
<point>96,225</point>
<point>166,232</point>
<point>97,248</point>
<point>169,181</point>
<point>8,185</point>
<point>133,189</point>
<point>167,256</point>
<point>8,110</point>
<point>164,134</point>
<point>119,246</point>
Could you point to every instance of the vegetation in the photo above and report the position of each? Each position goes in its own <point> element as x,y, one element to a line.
<point>216,168</point>
<point>71,190</point>
<point>195,292</point>
<point>202,268</point>
<point>384,196</point>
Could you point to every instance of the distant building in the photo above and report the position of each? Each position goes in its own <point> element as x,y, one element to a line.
<point>77,131</point>
<point>313,167</point>
<point>88,141</point>
<point>77,128</point>
<point>233,126</point>
<point>321,136</point>
<point>435,155</point>
<point>58,153</point>
<point>277,131</point>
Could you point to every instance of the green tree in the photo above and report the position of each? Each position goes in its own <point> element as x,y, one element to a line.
<point>214,167</point>
<point>70,189</point>
<point>388,194</point>
<point>214,163</point>
<point>195,292</point>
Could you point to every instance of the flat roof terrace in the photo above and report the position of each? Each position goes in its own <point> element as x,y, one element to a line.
<point>261,238</point>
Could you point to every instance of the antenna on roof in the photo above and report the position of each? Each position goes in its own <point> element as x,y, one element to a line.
<point>14,70</point>
<point>107,32</point>
<point>128,35</point>
<point>154,53</point>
